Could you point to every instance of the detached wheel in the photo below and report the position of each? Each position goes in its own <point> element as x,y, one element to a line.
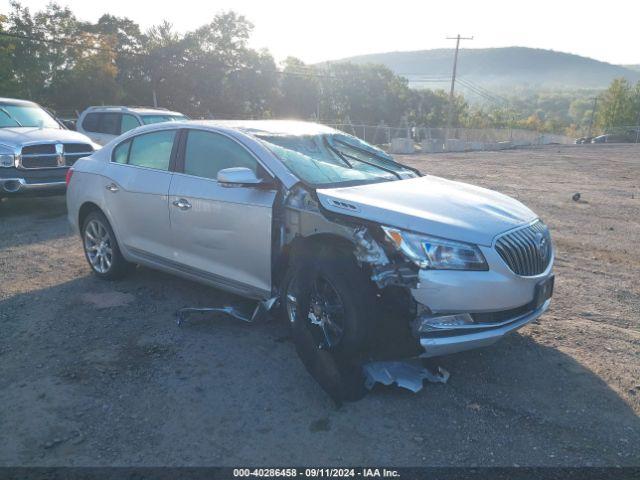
<point>328,301</point>
<point>101,248</point>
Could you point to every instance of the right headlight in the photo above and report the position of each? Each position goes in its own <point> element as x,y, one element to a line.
<point>7,158</point>
<point>436,253</point>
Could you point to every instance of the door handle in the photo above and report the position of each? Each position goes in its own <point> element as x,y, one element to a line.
<point>182,204</point>
<point>112,187</point>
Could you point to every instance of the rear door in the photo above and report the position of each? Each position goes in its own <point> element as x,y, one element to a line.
<point>221,233</point>
<point>138,189</point>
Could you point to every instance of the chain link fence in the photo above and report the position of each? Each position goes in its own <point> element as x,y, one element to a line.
<point>407,138</point>
<point>431,139</point>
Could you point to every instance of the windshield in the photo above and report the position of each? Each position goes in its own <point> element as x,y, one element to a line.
<point>334,159</point>
<point>149,119</point>
<point>25,115</point>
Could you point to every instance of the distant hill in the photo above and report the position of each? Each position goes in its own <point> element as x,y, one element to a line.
<point>501,67</point>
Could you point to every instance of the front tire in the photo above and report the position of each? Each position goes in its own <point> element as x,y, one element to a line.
<point>328,302</point>
<point>101,248</point>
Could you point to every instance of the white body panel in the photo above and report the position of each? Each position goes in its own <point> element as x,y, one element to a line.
<point>226,232</point>
<point>450,291</point>
<point>434,206</point>
<point>140,206</point>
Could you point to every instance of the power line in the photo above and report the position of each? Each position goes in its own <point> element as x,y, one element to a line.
<point>482,92</point>
<point>487,93</point>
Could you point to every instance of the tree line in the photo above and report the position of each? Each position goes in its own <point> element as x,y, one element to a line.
<point>54,58</point>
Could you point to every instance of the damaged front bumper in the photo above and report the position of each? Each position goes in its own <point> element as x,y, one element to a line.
<point>467,310</point>
<point>448,339</point>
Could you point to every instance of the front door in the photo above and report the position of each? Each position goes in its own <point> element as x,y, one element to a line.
<point>221,233</point>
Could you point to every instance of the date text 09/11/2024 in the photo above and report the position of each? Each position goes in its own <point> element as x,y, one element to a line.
<point>317,472</point>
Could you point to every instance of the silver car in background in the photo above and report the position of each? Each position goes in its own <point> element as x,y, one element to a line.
<point>367,257</point>
<point>105,122</point>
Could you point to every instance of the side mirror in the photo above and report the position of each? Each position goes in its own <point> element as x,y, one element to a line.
<point>239,176</point>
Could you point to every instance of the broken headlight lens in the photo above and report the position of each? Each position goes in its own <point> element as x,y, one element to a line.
<point>436,253</point>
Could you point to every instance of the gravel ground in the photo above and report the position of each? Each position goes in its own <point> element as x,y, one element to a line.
<point>97,373</point>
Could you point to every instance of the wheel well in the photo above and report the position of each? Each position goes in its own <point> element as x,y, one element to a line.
<point>85,210</point>
<point>301,245</point>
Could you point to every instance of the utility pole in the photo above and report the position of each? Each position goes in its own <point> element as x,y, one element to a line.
<point>593,114</point>
<point>453,83</point>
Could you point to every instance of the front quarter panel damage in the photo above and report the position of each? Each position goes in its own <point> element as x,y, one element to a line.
<point>301,216</point>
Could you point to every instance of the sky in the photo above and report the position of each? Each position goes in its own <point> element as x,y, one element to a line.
<point>333,29</point>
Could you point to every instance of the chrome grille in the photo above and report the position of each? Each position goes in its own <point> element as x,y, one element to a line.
<point>526,251</point>
<point>52,155</point>
<point>75,151</point>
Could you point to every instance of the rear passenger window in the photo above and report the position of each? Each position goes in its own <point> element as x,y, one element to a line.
<point>90,122</point>
<point>110,123</point>
<point>207,153</point>
<point>129,122</point>
<point>152,150</point>
<point>121,152</point>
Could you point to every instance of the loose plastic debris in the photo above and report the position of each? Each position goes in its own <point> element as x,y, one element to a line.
<point>367,249</point>
<point>260,313</point>
<point>403,373</point>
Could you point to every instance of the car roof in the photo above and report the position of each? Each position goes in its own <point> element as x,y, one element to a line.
<point>267,127</point>
<point>17,101</point>
<point>133,109</point>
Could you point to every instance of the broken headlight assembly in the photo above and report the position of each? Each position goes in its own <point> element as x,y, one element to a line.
<point>436,253</point>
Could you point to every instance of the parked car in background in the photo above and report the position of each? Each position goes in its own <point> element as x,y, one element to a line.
<point>36,150</point>
<point>70,123</point>
<point>627,136</point>
<point>362,252</point>
<point>104,123</point>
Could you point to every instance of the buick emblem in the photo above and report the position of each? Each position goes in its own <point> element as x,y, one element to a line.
<point>60,154</point>
<point>542,245</point>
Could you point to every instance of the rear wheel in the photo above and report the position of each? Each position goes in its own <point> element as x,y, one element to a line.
<point>328,301</point>
<point>101,248</point>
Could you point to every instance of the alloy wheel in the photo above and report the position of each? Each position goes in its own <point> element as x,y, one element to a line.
<point>99,246</point>
<point>326,311</point>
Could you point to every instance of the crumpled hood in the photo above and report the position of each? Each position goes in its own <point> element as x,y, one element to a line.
<point>431,205</point>
<point>16,137</point>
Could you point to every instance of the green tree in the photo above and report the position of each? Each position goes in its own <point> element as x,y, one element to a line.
<point>301,89</point>
<point>619,105</point>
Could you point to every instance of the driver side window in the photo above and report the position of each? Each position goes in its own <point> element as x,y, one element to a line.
<point>206,153</point>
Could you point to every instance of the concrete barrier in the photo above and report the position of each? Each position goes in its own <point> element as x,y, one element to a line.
<point>432,145</point>
<point>455,145</point>
<point>402,146</point>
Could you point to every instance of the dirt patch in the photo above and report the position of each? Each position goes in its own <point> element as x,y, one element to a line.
<point>107,299</point>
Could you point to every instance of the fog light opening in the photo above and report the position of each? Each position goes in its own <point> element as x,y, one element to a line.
<point>442,322</point>
<point>11,186</point>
